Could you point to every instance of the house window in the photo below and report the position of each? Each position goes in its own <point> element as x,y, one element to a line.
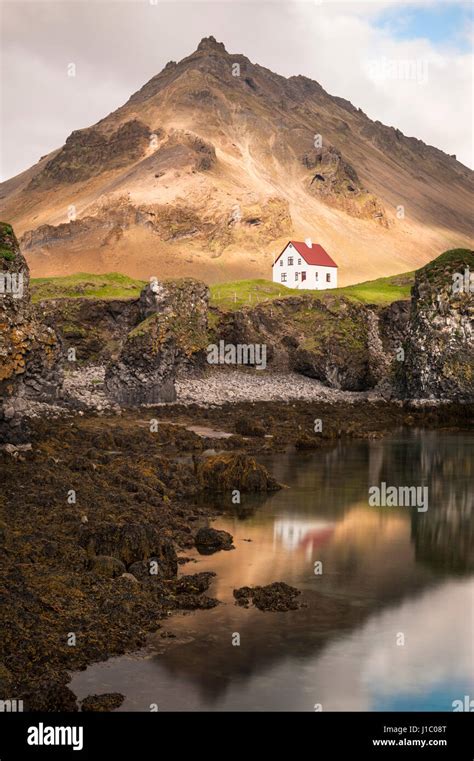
<point>283,277</point>
<point>296,276</point>
<point>303,276</point>
<point>299,261</point>
<point>281,262</point>
<point>316,274</point>
<point>290,261</point>
<point>328,278</point>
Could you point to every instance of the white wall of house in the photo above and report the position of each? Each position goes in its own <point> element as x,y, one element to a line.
<point>293,275</point>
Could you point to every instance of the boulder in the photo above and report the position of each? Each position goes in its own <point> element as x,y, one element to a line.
<point>278,597</point>
<point>130,543</point>
<point>227,471</point>
<point>210,540</point>
<point>109,701</point>
<point>106,566</point>
<point>247,427</point>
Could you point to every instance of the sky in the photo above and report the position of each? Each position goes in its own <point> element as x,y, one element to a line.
<point>406,63</point>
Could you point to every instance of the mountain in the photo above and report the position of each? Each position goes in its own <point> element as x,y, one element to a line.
<point>216,162</point>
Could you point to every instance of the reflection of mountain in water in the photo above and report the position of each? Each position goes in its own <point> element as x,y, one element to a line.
<point>383,568</point>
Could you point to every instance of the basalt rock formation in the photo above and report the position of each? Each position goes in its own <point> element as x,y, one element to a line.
<point>171,335</point>
<point>440,344</point>
<point>30,351</point>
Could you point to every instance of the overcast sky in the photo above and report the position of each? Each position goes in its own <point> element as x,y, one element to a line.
<point>406,63</point>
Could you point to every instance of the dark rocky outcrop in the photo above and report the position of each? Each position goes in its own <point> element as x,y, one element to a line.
<point>107,566</point>
<point>277,597</point>
<point>88,152</point>
<point>440,343</point>
<point>95,328</point>
<point>226,472</point>
<point>337,182</point>
<point>30,351</point>
<point>172,334</point>
<point>109,701</point>
<point>210,540</point>
<point>129,543</point>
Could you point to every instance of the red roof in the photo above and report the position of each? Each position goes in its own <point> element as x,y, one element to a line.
<point>314,255</point>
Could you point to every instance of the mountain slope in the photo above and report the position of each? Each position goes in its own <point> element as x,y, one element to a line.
<point>213,165</point>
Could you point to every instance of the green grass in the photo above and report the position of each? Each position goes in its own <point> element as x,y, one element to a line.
<point>234,295</point>
<point>385,290</point>
<point>382,291</point>
<point>86,286</point>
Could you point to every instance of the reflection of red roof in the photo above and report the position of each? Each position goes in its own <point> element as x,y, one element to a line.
<point>317,537</point>
<point>314,255</point>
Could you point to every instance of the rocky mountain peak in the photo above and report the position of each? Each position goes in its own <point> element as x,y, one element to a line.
<point>210,43</point>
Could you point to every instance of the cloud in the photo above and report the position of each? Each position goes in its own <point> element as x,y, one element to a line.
<point>118,46</point>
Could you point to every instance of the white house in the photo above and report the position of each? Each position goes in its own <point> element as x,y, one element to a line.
<point>305,265</point>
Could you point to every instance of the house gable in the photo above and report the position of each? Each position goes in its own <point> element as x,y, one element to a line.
<point>316,255</point>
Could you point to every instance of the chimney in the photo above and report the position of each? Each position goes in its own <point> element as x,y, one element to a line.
<point>309,242</point>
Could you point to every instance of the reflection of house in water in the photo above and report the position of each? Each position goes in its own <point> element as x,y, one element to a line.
<point>296,534</point>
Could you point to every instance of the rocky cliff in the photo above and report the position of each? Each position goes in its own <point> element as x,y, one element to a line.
<point>440,338</point>
<point>30,351</point>
<point>172,334</point>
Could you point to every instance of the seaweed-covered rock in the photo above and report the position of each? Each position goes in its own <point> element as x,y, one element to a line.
<point>278,597</point>
<point>109,701</point>
<point>245,426</point>
<point>106,566</point>
<point>210,540</point>
<point>172,333</point>
<point>439,348</point>
<point>130,543</point>
<point>227,471</point>
<point>30,352</point>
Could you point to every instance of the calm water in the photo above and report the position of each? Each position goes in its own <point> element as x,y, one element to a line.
<point>386,572</point>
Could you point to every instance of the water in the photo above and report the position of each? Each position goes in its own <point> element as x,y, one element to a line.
<point>390,576</point>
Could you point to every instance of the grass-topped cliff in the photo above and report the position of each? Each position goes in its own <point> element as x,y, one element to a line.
<point>226,296</point>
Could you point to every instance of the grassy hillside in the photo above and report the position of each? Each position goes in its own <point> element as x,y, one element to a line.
<point>229,296</point>
<point>82,285</point>
<point>226,296</point>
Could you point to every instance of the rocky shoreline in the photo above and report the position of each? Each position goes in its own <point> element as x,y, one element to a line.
<point>99,497</point>
<point>113,469</point>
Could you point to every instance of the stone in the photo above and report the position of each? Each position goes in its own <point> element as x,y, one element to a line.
<point>109,701</point>
<point>130,543</point>
<point>107,566</point>
<point>210,540</point>
<point>277,597</point>
<point>228,471</point>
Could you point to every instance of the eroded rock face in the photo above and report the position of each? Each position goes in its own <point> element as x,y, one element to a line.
<point>88,152</point>
<point>337,182</point>
<point>326,340</point>
<point>30,352</point>
<point>440,345</point>
<point>172,334</point>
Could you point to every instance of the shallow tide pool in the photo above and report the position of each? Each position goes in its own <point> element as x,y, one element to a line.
<point>386,625</point>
